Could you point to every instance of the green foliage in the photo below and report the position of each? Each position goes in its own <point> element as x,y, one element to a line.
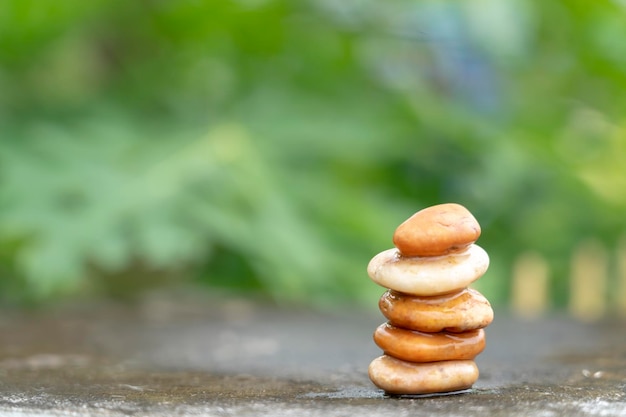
<point>274,146</point>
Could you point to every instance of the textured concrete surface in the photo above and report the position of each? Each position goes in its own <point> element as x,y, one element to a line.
<point>211,357</point>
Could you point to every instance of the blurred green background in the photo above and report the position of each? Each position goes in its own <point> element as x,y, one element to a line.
<point>271,147</point>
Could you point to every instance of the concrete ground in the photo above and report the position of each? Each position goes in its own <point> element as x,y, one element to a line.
<point>213,357</point>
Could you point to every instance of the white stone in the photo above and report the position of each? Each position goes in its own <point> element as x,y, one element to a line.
<point>431,275</point>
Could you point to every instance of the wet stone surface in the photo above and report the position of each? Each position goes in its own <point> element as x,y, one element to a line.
<point>222,358</point>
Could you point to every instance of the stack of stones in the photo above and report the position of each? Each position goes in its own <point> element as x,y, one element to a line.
<point>435,327</point>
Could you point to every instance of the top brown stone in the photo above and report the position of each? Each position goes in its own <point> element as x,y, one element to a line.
<point>437,230</point>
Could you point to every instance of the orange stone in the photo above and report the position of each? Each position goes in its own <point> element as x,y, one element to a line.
<point>436,230</point>
<point>465,310</point>
<point>414,346</point>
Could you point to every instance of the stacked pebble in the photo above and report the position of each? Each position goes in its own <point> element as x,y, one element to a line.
<point>435,327</point>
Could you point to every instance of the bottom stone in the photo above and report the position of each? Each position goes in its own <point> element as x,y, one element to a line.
<point>395,376</point>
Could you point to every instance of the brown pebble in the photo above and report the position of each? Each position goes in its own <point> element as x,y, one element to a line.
<point>414,346</point>
<point>465,310</point>
<point>398,377</point>
<point>437,230</point>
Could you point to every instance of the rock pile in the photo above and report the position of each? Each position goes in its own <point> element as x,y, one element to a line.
<point>435,327</point>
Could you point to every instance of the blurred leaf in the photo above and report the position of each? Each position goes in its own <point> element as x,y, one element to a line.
<point>274,146</point>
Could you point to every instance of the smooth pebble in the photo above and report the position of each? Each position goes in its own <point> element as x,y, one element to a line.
<point>428,276</point>
<point>437,230</point>
<point>399,377</point>
<point>457,312</point>
<point>414,346</point>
